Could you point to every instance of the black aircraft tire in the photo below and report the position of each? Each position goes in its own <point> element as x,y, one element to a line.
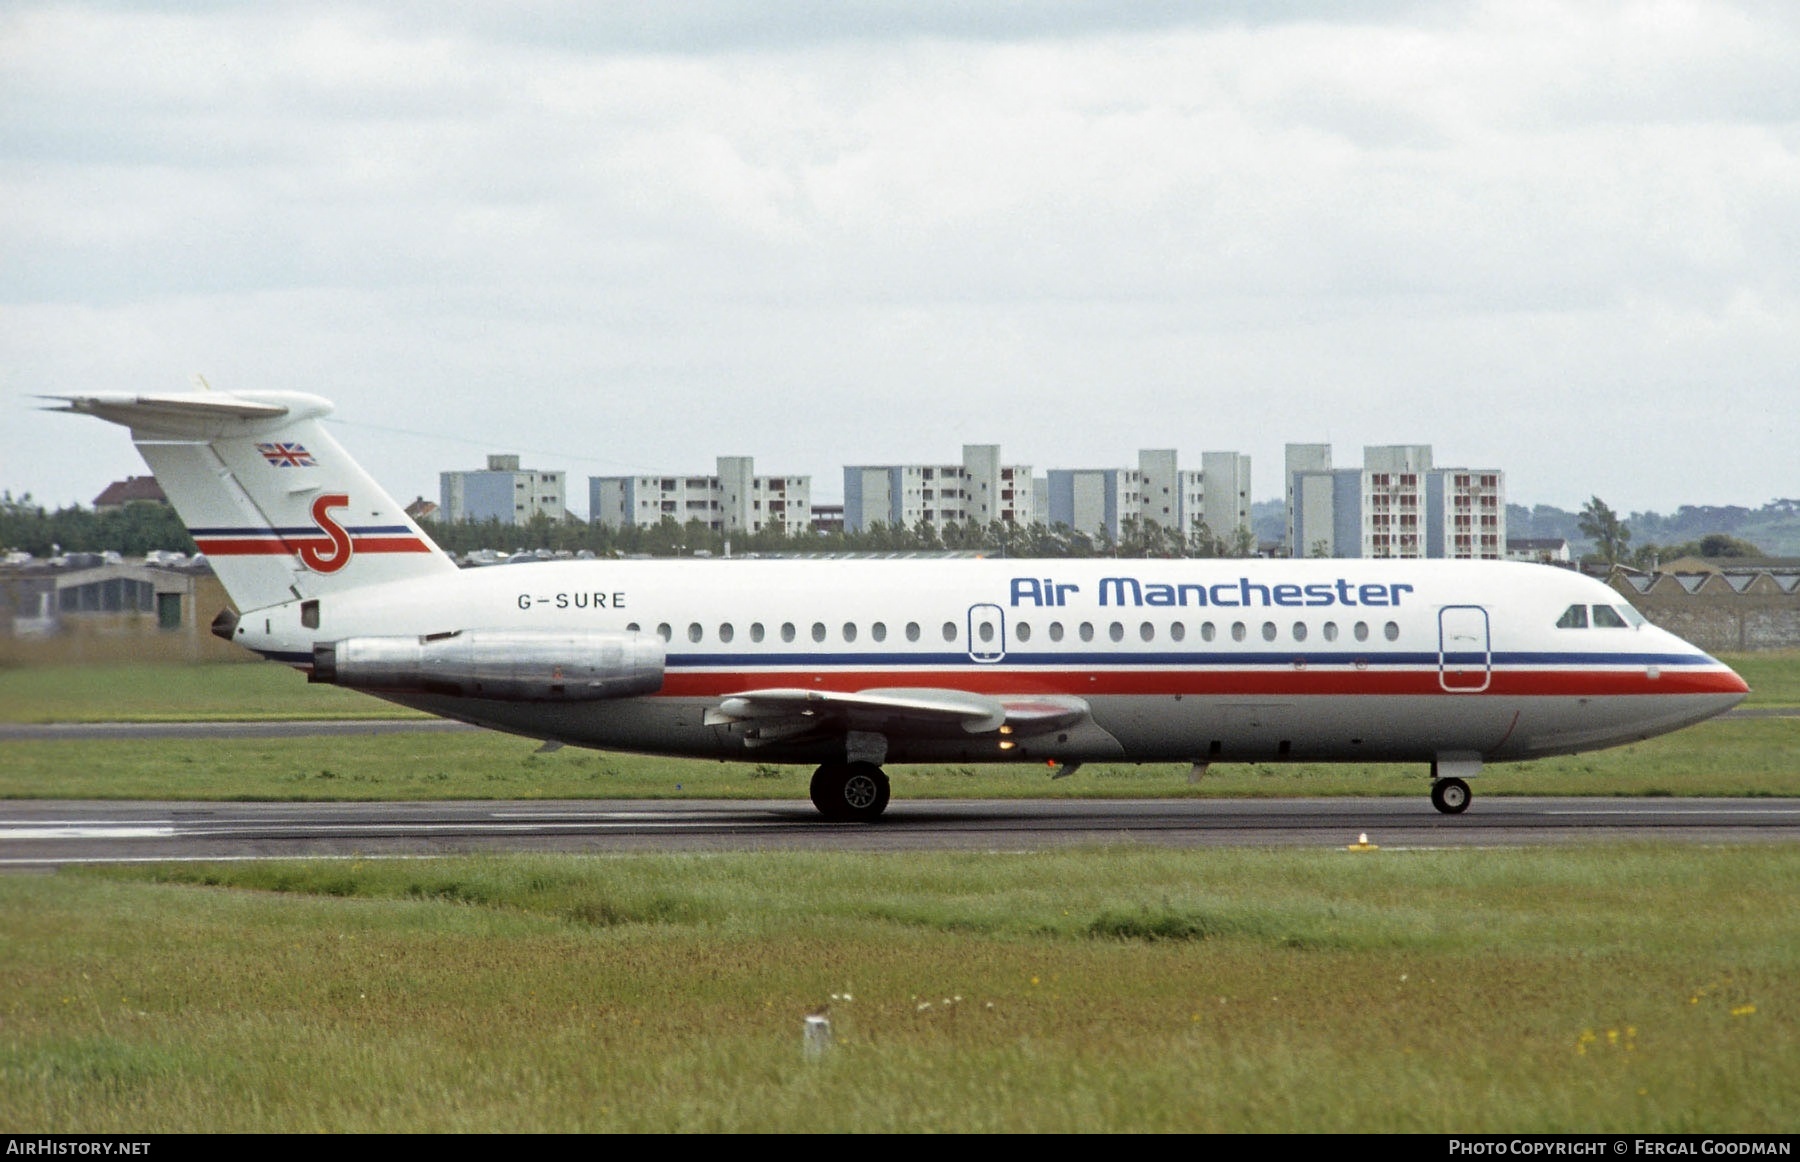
<point>864,794</point>
<point>1451,796</point>
<point>827,788</point>
<point>851,792</point>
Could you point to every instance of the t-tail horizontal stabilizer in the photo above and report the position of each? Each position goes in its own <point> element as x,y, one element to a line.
<point>278,507</point>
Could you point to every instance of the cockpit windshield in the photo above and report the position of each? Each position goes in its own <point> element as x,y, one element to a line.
<point>1604,617</point>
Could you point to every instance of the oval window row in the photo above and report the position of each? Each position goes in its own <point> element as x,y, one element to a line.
<point>1147,631</point>
<point>1022,631</point>
<point>788,633</point>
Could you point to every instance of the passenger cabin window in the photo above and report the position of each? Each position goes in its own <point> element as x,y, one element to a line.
<point>1574,617</point>
<point>1238,632</point>
<point>664,632</point>
<point>1022,631</point>
<point>1177,631</point>
<point>726,633</point>
<point>1362,631</point>
<point>1116,632</point>
<point>1391,631</point>
<point>1331,631</point>
<point>1268,631</point>
<point>787,631</point>
<point>1207,632</point>
<point>695,632</point>
<point>1606,617</point>
<point>949,631</point>
<point>1299,631</point>
<point>912,631</point>
<point>756,631</point>
<point>878,631</point>
<point>1147,632</point>
<point>818,631</point>
<point>1056,631</point>
<point>1087,631</point>
<point>849,631</point>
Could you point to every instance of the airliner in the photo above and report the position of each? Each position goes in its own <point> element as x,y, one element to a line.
<point>852,664</point>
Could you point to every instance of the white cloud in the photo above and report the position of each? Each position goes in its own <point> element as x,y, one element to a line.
<point>1558,238</point>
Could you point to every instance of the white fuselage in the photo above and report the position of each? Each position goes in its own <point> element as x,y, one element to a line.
<point>1190,660</point>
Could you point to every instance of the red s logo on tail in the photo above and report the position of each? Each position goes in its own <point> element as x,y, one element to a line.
<point>313,554</point>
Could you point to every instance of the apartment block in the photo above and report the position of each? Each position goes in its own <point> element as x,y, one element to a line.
<point>1393,495</point>
<point>1226,505</point>
<point>1467,507</point>
<point>504,492</point>
<point>1093,500</point>
<point>1159,491</point>
<point>1397,505</point>
<point>733,499</point>
<point>1315,460</point>
<point>979,490</point>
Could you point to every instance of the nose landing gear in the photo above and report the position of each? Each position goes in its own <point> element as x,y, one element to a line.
<point>1451,796</point>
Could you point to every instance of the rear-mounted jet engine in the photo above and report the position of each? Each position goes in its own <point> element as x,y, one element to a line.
<point>505,665</point>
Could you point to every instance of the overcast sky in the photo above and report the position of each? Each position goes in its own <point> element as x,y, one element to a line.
<point>1559,239</point>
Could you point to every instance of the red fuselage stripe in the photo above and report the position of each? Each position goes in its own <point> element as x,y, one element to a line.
<point>1212,682</point>
<point>278,546</point>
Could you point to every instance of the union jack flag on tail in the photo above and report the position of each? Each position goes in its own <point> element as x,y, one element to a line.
<point>287,455</point>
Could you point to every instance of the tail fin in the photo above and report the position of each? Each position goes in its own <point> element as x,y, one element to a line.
<point>274,502</point>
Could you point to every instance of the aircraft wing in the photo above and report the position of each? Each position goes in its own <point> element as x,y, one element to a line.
<point>780,714</point>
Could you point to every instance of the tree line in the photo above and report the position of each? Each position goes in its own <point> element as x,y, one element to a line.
<point>139,528</point>
<point>669,538</point>
<point>1612,541</point>
<point>133,530</point>
<point>1774,526</point>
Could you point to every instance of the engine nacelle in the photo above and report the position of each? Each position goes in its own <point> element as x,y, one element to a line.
<point>507,665</point>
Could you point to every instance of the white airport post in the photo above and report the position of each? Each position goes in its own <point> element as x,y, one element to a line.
<point>817,1038</point>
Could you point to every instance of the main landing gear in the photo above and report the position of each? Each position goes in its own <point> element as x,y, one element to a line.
<point>852,792</point>
<point>1451,796</point>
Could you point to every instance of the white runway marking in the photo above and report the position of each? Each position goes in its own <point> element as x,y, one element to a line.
<point>577,816</point>
<point>87,831</point>
<point>1666,813</point>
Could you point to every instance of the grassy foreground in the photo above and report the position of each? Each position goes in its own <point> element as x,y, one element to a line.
<point>1635,988</point>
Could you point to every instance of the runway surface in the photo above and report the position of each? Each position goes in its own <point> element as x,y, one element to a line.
<point>47,833</point>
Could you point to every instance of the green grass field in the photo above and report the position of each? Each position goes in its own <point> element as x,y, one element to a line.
<point>222,692</point>
<point>1732,757</point>
<point>1773,676</point>
<point>1618,989</point>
